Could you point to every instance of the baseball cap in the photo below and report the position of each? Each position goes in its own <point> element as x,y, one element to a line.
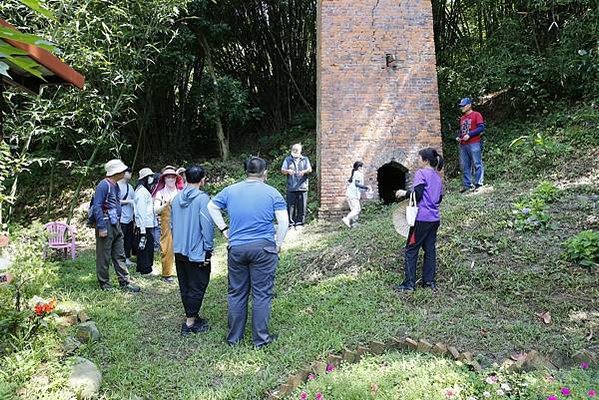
<point>465,101</point>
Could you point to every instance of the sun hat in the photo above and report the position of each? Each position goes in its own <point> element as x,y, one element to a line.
<point>465,101</point>
<point>168,170</point>
<point>180,170</point>
<point>115,167</point>
<point>145,172</point>
<point>399,219</point>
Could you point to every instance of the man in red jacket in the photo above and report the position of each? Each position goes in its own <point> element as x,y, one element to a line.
<point>472,127</point>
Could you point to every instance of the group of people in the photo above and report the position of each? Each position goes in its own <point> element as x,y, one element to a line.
<point>187,219</point>
<point>126,218</point>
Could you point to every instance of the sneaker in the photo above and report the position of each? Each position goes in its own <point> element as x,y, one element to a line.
<point>430,285</point>
<point>403,288</point>
<point>355,225</point>
<point>465,189</point>
<point>200,326</point>
<point>346,221</point>
<point>129,287</point>
<point>129,263</point>
<point>106,287</point>
<point>168,279</point>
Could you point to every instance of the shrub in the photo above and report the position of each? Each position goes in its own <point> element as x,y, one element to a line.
<point>583,249</point>
<point>546,192</point>
<point>530,215</point>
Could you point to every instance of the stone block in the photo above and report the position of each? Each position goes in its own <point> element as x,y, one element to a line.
<point>71,345</point>
<point>440,349</point>
<point>454,352</point>
<point>295,381</point>
<point>319,367</point>
<point>360,351</point>
<point>466,357</point>
<point>66,321</point>
<point>535,361</point>
<point>424,346</point>
<point>377,347</point>
<point>349,356</point>
<point>411,344</point>
<point>586,356</point>
<point>334,360</point>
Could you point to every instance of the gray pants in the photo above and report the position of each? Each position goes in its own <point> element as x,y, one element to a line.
<point>251,266</point>
<point>111,248</point>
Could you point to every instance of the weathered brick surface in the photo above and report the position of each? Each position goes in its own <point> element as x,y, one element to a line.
<point>368,111</point>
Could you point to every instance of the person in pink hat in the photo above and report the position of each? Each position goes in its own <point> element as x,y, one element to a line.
<point>169,186</point>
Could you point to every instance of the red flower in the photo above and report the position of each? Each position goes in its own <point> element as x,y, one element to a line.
<point>42,309</point>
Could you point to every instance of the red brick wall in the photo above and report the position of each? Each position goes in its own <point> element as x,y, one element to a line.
<point>366,110</point>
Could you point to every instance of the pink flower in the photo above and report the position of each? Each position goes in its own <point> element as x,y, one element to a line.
<point>450,393</point>
<point>491,380</point>
<point>330,368</point>
<point>552,397</point>
<point>584,365</point>
<point>311,377</point>
<point>565,391</point>
<point>319,396</point>
<point>303,396</point>
<point>592,393</point>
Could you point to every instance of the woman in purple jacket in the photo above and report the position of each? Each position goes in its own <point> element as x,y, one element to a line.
<point>428,187</point>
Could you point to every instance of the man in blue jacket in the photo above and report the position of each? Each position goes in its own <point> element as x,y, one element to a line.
<point>106,214</point>
<point>193,242</point>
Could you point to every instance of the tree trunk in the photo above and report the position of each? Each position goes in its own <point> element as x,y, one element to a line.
<point>220,133</point>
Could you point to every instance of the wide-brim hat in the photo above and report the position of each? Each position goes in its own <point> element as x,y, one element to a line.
<point>180,170</point>
<point>145,172</point>
<point>115,167</point>
<point>399,219</point>
<point>168,170</point>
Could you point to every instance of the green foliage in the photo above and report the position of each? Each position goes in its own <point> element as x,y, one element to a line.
<point>537,147</point>
<point>32,273</point>
<point>583,249</point>
<point>531,213</point>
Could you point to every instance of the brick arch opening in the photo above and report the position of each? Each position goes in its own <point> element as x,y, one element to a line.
<point>390,178</point>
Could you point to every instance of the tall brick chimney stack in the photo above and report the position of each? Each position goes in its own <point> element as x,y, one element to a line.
<point>377,94</point>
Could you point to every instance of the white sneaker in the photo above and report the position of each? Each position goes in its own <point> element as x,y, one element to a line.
<point>346,221</point>
<point>129,263</point>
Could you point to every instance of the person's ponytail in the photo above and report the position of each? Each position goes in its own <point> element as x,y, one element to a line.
<point>356,166</point>
<point>433,158</point>
<point>440,161</point>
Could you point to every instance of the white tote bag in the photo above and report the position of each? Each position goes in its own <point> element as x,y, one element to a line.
<point>412,210</point>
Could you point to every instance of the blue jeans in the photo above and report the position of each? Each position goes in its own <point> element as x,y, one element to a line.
<point>471,156</point>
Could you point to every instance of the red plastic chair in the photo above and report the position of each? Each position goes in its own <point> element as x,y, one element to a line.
<point>62,237</point>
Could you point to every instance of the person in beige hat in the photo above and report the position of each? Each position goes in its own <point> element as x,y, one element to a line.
<point>169,185</point>
<point>106,214</point>
<point>145,220</point>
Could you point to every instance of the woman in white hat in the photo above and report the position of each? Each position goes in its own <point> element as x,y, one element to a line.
<point>169,185</point>
<point>145,219</point>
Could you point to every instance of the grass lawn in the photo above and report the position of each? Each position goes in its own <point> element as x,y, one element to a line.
<point>334,290</point>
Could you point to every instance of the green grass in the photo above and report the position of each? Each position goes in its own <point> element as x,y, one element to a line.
<point>409,376</point>
<point>334,290</point>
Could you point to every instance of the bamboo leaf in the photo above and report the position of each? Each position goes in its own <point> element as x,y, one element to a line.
<point>9,33</point>
<point>36,6</point>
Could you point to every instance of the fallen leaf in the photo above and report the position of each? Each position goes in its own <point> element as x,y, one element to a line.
<point>545,317</point>
<point>590,336</point>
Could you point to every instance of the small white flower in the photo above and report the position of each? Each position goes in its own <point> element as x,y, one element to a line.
<point>582,52</point>
<point>500,392</point>
<point>506,387</point>
<point>472,398</point>
<point>487,394</point>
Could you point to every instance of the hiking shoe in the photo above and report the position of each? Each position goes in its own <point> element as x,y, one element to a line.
<point>403,288</point>
<point>129,263</point>
<point>430,285</point>
<point>129,287</point>
<point>465,189</point>
<point>346,221</point>
<point>168,279</point>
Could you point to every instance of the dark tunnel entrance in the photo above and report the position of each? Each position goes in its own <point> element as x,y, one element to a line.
<point>391,177</point>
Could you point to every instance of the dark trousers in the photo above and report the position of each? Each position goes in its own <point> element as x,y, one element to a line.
<point>128,237</point>
<point>110,249</point>
<point>145,257</point>
<point>193,281</point>
<point>251,268</point>
<point>297,207</point>
<point>423,234</point>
